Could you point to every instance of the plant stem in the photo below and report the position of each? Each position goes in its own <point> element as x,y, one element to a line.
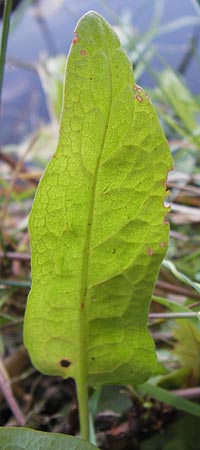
<point>82,394</point>
<point>7,392</point>
<point>4,38</point>
<point>175,315</point>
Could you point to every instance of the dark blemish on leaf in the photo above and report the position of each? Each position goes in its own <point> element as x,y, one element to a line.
<point>83,52</point>
<point>92,358</point>
<point>91,78</point>
<point>114,250</point>
<point>150,251</point>
<point>65,363</point>
<point>166,179</point>
<point>165,221</point>
<point>139,98</point>
<point>75,40</point>
<point>82,305</point>
<point>165,184</point>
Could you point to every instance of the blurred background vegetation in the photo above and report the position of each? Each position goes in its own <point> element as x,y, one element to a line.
<point>162,39</point>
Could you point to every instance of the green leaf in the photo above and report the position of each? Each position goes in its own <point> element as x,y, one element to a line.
<point>184,104</point>
<point>178,308</point>
<point>173,380</point>
<point>187,348</point>
<point>97,227</point>
<point>51,74</point>
<point>180,276</point>
<point>181,434</point>
<point>27,439</point>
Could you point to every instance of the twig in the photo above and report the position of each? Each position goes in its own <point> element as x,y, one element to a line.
<point>177,289</point>
<point>15,255</point>
<point>177,315</point>
<point>24,175</point>
<point>7,392</point>
<point>192,189</point>
<point>194,305</point>
<point>8,159</point>
<point>18,168</point>
<point>15,283</point>
<point>179,236</point>
<point>187,393</point>
<point>6,326</point>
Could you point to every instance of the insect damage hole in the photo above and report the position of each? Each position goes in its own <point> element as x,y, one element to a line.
<point>65,363</point>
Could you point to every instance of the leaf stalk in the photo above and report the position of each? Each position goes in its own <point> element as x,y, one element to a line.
<point>82,395</point>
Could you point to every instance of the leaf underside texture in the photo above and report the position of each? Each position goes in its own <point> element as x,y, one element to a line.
<point>27,439</point>
<point>97,227</point>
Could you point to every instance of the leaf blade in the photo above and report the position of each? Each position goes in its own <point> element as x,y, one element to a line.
<point>27,439</point>
<point>97,242</point>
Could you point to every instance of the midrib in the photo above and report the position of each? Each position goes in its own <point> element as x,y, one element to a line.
<point>85,266</point>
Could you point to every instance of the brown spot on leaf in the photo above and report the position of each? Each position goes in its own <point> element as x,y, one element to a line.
<point>150,251</point>
<point>75,40</point>
<point>165,181</point>
<point>162,244</point>
<point>83,52</point>
<point>137,88</point>
<point>165,221</point>
<point>139,98</point>
<point>165,184</point>
<point>65,363</point>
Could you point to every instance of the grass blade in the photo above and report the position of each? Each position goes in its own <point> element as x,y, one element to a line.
<point>4,39</point>
<point>169,398</point>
